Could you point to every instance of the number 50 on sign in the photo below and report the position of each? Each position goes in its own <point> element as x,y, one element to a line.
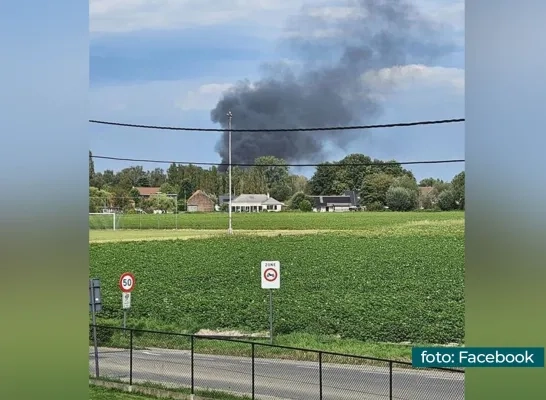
<point>127,282</point>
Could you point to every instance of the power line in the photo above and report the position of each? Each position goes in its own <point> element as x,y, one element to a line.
<point>280,165</point>
<point>336,128</point>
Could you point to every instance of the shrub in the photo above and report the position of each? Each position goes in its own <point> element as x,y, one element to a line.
<point>400,199</point>
<point>297,198</point>
<point>375,206</point>
<point>305,205</point>
<point>446,200</point>
<point>104,335</point>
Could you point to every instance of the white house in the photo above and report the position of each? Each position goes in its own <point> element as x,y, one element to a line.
<point>255,203</point>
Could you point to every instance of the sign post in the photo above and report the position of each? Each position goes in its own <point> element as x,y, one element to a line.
<point>271,279</point>
<point>95,306</point>
<point>126,284</point>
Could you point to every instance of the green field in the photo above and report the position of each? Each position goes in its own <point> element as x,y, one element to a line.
<point>276,221</point>
<point>397,277</point>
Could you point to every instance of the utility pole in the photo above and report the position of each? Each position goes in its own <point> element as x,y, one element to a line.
<point>230,229</point>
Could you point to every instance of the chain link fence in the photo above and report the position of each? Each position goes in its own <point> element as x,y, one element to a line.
<point>198,364</point>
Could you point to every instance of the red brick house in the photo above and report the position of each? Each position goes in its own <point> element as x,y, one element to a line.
<point>146,192</point>
<point>200,202</point>
<point>424,192</point>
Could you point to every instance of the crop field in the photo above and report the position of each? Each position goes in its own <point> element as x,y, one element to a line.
<point>377,277</point>
<point>268,221</point>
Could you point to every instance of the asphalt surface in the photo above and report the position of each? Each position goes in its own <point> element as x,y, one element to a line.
<point>280,379</point>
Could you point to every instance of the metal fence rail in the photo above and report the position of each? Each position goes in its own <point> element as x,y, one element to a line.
<point>261,370</point>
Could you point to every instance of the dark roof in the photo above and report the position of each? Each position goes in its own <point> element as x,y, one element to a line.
<point>353,196</point>
<point>323,201</point>
<point>348,198</point>
<point>224,198</point>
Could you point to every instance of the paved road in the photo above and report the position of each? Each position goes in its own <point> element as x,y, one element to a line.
<point>294,380</point>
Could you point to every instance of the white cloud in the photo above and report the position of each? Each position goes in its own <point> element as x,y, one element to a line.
<point>416,77</point>
<point>179,96</point>
<point>446,15</point>
<point>110,16</point>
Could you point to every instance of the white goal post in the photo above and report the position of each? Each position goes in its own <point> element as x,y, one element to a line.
<point>103,218</point>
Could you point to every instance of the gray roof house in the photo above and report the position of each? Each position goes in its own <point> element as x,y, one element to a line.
<point>224,198</point>
<point>255,203</point>
<point>348,201</point>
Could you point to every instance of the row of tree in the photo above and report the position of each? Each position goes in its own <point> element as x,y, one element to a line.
<point>380,184</point>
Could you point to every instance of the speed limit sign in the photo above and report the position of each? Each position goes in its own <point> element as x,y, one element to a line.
<point>127,282</point>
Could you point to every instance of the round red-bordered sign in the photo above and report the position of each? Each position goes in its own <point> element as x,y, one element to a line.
<point>127,282</point>
<point>270,274</point>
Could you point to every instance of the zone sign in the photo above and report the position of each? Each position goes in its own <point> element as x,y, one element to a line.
<point>271,275</point>
<point>127,282</point>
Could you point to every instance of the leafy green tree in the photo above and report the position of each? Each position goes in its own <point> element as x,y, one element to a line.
<point>271,174</point>
<point>406,182</point>
<point>91,167</point>
<point>375,188</point>
<point>409,183</point>
<point>306,206</point>
<point>298,183</point>
<point>167,188</point>
<point>352,175</point>
<point>187,188</point>
<point>98,199</point>
<point>430,182</point>
<point>321,183</point>
<point>133,176</point>
<point>439,186</point>
<point>157,177</point>
<point>446,200</point>
<point>400,198</point>
<point>121,198</point>
<point>390,167</point>
<point>174,175</point>
<point>458,186</point>
<point>110,178</point>
<point>297,198</point>
<point>160,202</point>
<point>280,191</point>
<point>134,194</point>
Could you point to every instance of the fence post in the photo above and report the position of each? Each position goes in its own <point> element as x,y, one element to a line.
<point>131,357</point>
<point>390,380</point>
<point>253,374</point>
<point>320,373</point>
<point>192,368</point>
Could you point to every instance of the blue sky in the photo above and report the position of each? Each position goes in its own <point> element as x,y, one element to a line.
<point>168,62</point>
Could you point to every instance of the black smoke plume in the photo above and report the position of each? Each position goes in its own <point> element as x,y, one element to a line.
<point>326,88</point>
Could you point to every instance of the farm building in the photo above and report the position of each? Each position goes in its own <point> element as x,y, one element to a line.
<point>255,203</point>
<point>200,202</point>
<point>146,192</point>
<point>424,192</point>
<point>348,201</point>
